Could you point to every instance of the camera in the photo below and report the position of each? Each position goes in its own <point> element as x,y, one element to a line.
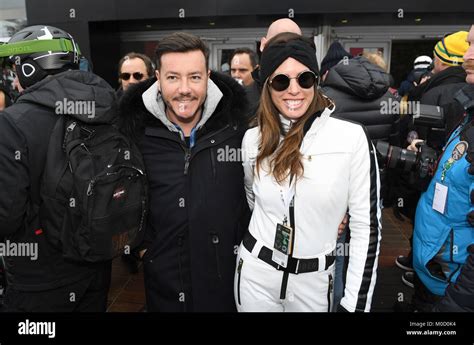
<point>422,161</point>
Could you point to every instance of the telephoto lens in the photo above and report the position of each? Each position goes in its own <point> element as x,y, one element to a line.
<point>396,157</point>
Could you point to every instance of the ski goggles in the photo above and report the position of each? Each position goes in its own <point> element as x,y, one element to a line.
<point>9,50</point>
<point>126,76</point>
<point>305,79</point>
<point>35,46</point>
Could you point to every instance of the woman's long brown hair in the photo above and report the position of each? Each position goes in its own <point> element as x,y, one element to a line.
<point>284,159</point>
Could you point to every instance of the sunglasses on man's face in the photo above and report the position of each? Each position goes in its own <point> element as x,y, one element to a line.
<point>305,79</point>
<point>136,76</point>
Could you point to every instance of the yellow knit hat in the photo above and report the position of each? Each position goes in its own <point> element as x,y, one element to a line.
<point>451,49</point>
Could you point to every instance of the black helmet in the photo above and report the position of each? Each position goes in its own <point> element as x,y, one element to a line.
<point>41,50</point>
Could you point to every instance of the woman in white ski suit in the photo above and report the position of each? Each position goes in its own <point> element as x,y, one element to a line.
<point>286,260</point>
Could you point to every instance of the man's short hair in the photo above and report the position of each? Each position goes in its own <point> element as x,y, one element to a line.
<point>252,55</point>
<point>180,42</point>
<point>150,68</point>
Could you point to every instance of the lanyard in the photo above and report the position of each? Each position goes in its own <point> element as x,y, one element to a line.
<point>287,200</point>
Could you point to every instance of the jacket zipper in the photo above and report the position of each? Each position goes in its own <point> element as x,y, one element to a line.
<point>187,157</point>
<point>330,288</point>
<point>213,163</point>
<point>215,243</point>
<point>451,234</point>
<point>69,129</point>
<point>239,271</point>
<point>198,149</point>
<point>143,216</point>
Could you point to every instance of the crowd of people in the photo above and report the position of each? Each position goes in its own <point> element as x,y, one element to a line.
<point>236,191</point>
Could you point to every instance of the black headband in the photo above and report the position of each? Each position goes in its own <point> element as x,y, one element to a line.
<point>275,54</point>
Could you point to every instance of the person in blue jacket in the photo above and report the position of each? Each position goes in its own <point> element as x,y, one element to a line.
<point>444,222</point>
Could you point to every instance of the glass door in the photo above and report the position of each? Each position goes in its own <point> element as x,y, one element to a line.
<point>221,52</point>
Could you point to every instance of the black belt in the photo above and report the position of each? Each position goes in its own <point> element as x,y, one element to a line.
<point>294,265</point>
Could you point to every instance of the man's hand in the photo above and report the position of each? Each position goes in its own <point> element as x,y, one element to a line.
<point>412,146</point>
<point>342,226</point>
<point>423,80</point>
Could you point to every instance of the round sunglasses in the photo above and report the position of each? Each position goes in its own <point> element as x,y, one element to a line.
<point>305,79</point>
<point>136,76</point>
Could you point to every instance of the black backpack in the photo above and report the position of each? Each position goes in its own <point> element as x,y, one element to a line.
<point>94,191</point>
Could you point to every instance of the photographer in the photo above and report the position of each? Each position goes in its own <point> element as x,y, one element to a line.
<point>438,89</point>
<point>444,217</point>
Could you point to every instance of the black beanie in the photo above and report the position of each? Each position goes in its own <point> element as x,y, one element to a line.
<point>275,54</point>
<point>335,54</point>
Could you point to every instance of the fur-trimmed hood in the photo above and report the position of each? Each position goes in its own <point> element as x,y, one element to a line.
<point>231,107</point>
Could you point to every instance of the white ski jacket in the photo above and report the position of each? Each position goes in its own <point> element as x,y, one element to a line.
<point>340,175</point>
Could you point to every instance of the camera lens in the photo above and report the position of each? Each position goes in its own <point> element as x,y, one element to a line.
<point>395,157</point>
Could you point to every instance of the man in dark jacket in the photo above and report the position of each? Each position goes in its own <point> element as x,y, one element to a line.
<point>447,79</point>
<point>421,67</point>
<point>189,124</point>
<point>39,278</point>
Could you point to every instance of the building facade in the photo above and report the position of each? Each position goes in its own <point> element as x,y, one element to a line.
<point>399,31</point>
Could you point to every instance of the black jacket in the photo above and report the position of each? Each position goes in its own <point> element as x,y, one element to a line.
<point>440,90</point>
<point>459,297</point>
<point>25,129</point>
<point>198,209</point>
<point>358,89</point>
